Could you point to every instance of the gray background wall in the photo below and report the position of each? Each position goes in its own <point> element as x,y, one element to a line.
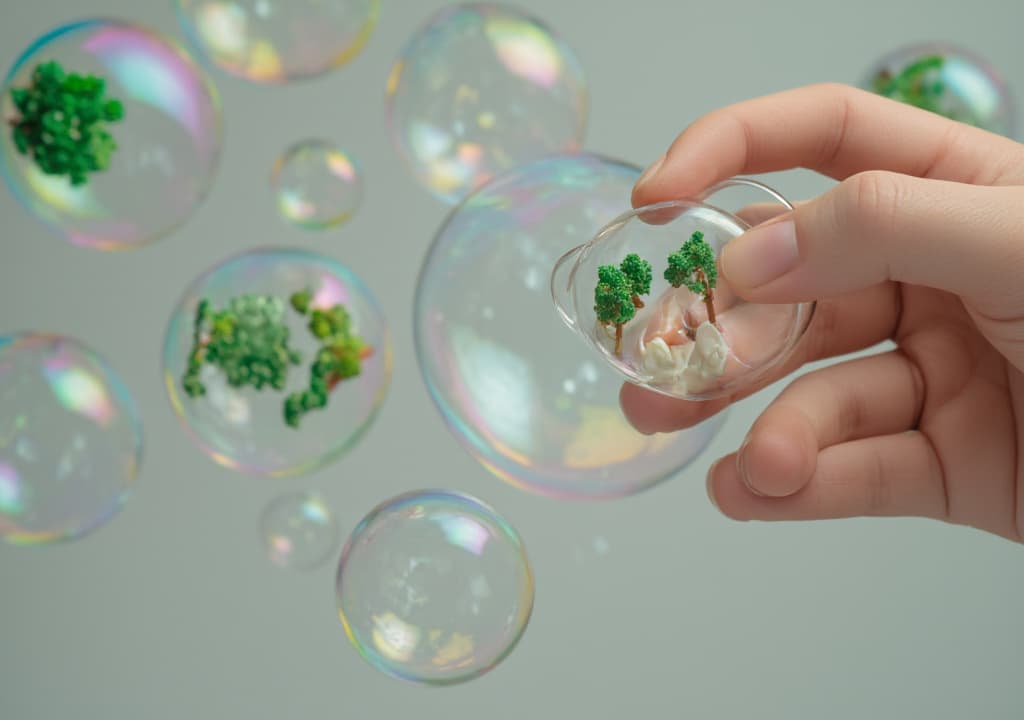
<point>654,606</point>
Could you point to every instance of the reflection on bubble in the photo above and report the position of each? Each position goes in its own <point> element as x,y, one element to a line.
<point>944,79</point>
<point>434,587</point>
<point>70,440</point>
<point>277,361</point>
<point>526,398</point>
<point>299,531</point>
<point>481,89</point>
<point>167,143</point>
<point>275,41</point>
<point>317,185</point>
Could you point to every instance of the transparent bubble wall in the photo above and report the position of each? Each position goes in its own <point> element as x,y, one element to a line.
<point>167,143</point>
<point>434,587</point>
<point>70,440</point>
<point>480,89</point>
<point>521,393</point>
<point>299,531</point>
<point>317,185</point>
<point>254,384</point>
<point>948,80</point>
<point>275,41</point>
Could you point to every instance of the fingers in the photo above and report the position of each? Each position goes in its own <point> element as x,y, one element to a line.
<point>839,326</point>
<point>879,226</point>
<point>833,129</point>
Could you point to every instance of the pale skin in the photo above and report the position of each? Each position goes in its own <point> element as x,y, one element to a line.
<point>921,242</point>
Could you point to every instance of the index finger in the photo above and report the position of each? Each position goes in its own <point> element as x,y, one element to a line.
<point>834,129</point>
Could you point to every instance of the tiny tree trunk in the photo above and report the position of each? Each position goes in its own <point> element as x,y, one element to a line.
<point>709,296</point>
<point>618,338</point>
<point>637,302</point>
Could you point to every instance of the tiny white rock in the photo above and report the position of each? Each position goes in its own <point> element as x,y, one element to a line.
<point>688,367</point>
<point>710,353</point>
<point>663,363</point>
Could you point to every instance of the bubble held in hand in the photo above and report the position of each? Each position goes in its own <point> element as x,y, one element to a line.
<point>112,133</point>
<point>299,531</point>
<point>317,185</point>
<point>480,89</point>
<point>434,587</point>
<point>70,440</point>
<point>277,361</point>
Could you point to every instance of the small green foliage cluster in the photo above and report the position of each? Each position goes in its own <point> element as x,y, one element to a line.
<point>248,342</point>
<point>918,84</point>
<point>618,290</point>
<point>62,122</point>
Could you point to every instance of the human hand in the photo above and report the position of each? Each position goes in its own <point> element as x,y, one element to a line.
<point>921,242</point>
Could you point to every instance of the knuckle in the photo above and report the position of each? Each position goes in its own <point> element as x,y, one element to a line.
<point>867,205</point>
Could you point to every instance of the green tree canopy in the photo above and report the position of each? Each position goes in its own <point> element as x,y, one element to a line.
<point>694,259</point>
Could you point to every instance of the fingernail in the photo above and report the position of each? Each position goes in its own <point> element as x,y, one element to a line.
<point>761,255</point>
<point>710,484</point>
<point>650,172</point>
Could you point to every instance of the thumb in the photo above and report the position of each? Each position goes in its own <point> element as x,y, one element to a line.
<point>879,226</point>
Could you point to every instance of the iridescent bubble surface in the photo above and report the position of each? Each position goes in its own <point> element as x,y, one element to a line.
<point>948,80</point>
<point>317,185</point>
<point>245,428</point>
<point>167,144</point>
<point>523,395</point>
<point>70,440</point>
<point>434,587</point>
<point>299,531</point>
<point>480,89</point>
<point>275,41</point>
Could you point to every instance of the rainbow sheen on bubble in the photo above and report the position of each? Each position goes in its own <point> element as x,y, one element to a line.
<point>168,143</point>
<point>517,390</point>
<point>70,440</point>
<point>317,185</point>
<point>480,89</point>
<point>948,80</point>
<point>299,531</point>
<point>276,41</point>
<point>243,428</point>
<point>434,587</point>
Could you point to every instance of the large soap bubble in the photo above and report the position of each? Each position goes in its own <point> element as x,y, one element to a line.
<point>275,41</point>
<point>947,80</point>
<point>524,396</point>
<point>481,89</point>
<point>113,165</point>
<point>277,361</point>
<point>70,440</point>
<point>434,587</point>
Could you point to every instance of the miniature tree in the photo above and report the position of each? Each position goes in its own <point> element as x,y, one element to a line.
<point>638,273</point>
<point>918,84</point>
<point>613,300</point>
<point>62,122</point>
<point>693,265</point>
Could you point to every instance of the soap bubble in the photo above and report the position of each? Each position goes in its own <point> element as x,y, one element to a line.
<point>693,339</point>
<point>167,142</point>
<point>70,440</point>
<point>533,404</point>
<point>947,80</point>
<point>434,587</point>
<point>317,185</point>
<point>254,387</point>
<point>299,531</point>
<point>481,89</point>
<point>276,41</point>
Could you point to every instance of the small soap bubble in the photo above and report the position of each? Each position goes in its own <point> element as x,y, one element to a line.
<point>317,185</point>
<point>70,440</point>
<point>480,89</point>
<point>947,80</point>
<point>277,361</point>
<point>534,405</point>
<point>299,531</point>
<point>134,170</point>
<point>434,587</point>
<point>277,41</point>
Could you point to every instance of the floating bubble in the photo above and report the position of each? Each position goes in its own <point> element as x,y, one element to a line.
<point>70,440</point>
<point>693,338</point>
<point>141,171</point>
<point>276,41</point>
<point>277,361</point>
<point>480,89</point>
<point>434,587</point>
<point>531,403</point>
<point>946,80</point>
<point>299,531</point>
<point>317,185</point>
